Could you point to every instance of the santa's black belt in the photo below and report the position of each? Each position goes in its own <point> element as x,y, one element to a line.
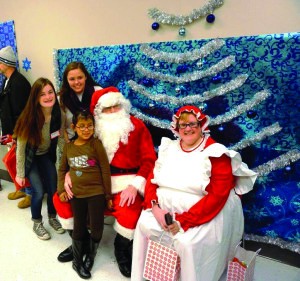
<point>115,170</point>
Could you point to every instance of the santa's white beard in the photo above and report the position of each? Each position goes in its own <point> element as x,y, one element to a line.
<point>111,128</point>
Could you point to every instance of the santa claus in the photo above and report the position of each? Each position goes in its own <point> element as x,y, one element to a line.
<point>131,154</point>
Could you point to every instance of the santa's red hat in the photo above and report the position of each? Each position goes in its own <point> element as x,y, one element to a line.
<point>201,117</point>
<point>64,212</point>
<point>107,97</point>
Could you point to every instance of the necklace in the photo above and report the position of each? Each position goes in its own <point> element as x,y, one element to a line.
<point>183,20</point>
<point>193,148</point>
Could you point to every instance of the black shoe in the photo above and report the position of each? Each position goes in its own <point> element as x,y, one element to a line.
<point>90,255</point>
<point>121,252</point>
<point>81,271</point>
<point>124,269</point>
<point>77,261</point>
<point>66,255</point>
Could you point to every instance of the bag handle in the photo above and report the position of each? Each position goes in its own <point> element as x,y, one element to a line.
<point>257,252</point>
<point>254,255</point>
<point>161,236</point>
<point>237,246</point>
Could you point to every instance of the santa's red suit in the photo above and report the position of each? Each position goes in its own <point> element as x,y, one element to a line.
<point>131,164</point>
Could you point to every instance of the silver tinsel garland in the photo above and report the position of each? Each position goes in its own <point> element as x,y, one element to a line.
<point>294,247</point>
<point>265,132</point>
<point>56,71</point>
<point>181,20</point>
<point>153,121</point>
<point>278,163</point>
<point>201,53</point>
<point>240,109</point>
<point>194,99</point>
<point>193,76</point>
<point>226,87</point>
<point>236,111</point>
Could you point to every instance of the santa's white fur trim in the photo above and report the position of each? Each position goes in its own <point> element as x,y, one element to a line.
<point>111,99</point>
<point>125,232</point>
<point>66,223</point>
<point>139,183</point>
<point>120,182</point>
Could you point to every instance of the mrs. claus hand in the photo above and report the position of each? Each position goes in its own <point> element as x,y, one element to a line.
<point>174,228</point>
<point>159,215</point>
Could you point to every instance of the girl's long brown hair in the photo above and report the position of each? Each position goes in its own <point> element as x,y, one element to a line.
<point>30,122</point>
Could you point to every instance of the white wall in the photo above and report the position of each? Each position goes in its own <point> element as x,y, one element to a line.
<point>43,25</point>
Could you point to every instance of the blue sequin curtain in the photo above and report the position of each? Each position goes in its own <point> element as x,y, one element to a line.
<point>272,62</point>
<point>7,37</point>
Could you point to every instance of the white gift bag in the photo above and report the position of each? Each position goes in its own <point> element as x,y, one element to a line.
<point>241,267</point>
<point>162,262</point>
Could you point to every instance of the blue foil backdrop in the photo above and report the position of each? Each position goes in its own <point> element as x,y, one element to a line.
<point>7,37</point>
<point>272,61</point>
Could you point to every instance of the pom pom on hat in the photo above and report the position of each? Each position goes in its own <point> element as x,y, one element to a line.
<point>107,97</point>
<point>201,117</point>
<point>8,57</point>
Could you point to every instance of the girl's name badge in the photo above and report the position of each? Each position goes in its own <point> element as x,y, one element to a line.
<point>55,134</point>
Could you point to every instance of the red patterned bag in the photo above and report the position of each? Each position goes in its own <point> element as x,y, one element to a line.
<point>241,268</point>
<point>162,262</point>
<point>10,163</point>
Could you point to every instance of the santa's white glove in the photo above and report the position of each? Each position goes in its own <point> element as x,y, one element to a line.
<point>159,215</point>
<point>68,185</point>
<point>128,195</point>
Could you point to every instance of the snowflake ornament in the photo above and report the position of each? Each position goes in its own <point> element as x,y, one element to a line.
<point>276,201</point>
<point>26,64</point>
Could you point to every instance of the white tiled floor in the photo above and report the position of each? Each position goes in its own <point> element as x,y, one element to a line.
<point>23,257</point>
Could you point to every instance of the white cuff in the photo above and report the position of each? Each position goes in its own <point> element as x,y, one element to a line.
<point>139,183</point>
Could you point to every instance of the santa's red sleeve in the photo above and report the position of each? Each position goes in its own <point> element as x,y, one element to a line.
<point>145,149</point>
<point>150,192</point>
<point>221,183</point>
